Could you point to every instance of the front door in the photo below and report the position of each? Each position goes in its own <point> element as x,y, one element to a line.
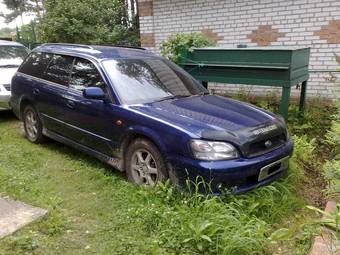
<point>91,121</point>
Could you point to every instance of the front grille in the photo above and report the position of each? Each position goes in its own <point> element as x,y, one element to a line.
<point>7,87</point>
<point>266,145</point>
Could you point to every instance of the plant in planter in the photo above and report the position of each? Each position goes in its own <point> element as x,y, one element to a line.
<point>178,44</point>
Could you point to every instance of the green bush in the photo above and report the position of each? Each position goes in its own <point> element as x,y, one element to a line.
<point>177,45</point>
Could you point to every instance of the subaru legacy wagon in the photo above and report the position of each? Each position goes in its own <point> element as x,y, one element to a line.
<point>144,115</point>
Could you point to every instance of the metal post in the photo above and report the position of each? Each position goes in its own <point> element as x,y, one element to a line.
<point>302,99</point>
<point>284,105</point>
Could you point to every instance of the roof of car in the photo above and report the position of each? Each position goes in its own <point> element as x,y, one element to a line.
<point>10,43</point>
<point>95,51</point>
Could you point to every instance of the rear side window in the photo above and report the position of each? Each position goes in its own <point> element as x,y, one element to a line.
<point>36,64</point>
<point>85,74</point>
<point>59,69</point>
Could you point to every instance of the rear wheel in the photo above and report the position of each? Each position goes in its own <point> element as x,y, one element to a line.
<point>144,163</point>
<point>32,124</point>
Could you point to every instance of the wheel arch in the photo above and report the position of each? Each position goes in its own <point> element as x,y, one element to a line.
<point>134,134</point>
<point>23,103</point>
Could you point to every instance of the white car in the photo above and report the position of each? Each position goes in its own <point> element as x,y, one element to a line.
<point>11,56</point>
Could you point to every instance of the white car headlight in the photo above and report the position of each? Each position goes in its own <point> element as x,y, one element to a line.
<point>210,150</point>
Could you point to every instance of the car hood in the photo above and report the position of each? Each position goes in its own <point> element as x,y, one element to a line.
<point>7,74</point>
<point>213,117</point>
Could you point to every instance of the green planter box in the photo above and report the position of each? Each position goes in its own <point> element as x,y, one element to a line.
<point>270,66</point>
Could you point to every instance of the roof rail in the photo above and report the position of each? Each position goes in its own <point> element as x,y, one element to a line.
<point>129,47</point>
<point>70,44</point>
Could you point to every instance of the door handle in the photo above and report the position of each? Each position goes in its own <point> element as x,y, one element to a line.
<point>36,91</point>
<point>70,104</point>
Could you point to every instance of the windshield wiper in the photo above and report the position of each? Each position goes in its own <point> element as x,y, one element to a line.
<point>171,97</point>
<point>165,98</point>
<point>204,93</point>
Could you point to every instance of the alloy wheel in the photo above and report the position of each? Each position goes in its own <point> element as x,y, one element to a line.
<point>31,124</point>
<point>144,168</point>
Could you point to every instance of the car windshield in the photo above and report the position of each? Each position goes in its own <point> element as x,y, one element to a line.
<point>140,81</point>
<point>12,55</point>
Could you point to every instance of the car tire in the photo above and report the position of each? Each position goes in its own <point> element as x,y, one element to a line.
<point>144,164</point>
<point>33,125</point>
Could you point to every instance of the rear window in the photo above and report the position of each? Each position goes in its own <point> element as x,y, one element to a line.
<point>59,69</point>
<point>36,64</point>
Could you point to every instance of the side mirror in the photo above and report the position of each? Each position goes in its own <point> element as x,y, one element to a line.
<point>94,93</point>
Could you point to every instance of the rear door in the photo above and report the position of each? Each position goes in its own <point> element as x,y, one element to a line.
<point>27,82</point>
<point>52,103</point>
<point>92,120</point>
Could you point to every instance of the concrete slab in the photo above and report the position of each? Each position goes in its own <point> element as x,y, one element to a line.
<point>324,244</point>
<point>15,215</point>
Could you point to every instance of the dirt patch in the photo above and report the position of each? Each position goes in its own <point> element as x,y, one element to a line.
<point>313,187</point>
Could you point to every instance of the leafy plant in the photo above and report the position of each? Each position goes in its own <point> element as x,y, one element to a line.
<point>332,175</point>
<point>332,166</point>
<point>331,219</point>
<point>179,44</point>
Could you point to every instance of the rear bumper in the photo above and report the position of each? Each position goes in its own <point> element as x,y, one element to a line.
<point>239,175</point>
<point>5,97</point>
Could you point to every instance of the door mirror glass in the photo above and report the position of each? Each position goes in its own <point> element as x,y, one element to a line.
<point>94,93</point>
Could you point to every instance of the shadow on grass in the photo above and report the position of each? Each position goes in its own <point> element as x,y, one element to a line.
<point>6,116</point>
<point>75,154</point>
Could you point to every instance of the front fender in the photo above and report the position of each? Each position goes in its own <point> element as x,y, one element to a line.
<point>149,133</point>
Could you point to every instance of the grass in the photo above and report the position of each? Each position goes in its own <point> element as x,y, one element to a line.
<point>95,210</point>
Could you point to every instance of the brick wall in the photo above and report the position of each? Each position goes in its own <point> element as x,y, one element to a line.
<point>311,23</point>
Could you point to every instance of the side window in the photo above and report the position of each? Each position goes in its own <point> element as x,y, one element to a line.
<point>35,64</point>
<point>59,69</point>
<point>85,74</point>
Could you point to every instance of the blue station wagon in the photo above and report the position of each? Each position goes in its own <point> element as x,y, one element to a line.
<point>144,115</point>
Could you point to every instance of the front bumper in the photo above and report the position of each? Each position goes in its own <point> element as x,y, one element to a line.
<point>5,97</point>
<point>238,175</point>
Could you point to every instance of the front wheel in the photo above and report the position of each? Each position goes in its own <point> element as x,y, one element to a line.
<point>144,163</point>
<point>32,124</point>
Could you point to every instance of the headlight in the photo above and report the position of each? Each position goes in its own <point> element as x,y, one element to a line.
<point>209,150</point>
